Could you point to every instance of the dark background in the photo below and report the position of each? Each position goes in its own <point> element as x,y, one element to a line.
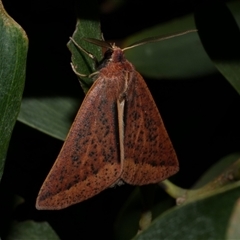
<point>205,109</point>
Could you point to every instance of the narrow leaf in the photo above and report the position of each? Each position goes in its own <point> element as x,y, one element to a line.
<point>13,54</point>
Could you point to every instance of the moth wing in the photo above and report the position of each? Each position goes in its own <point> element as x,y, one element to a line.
<point>89,159</point>
<point>149,154</point>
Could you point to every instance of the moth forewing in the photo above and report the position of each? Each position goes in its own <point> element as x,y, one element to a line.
<point>149,153</point>
<point>117,136</point>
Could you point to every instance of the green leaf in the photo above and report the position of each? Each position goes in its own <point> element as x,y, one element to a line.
<point>31,230</point>
<point>233,231</point>
<point>176,58</point>
<point>129,216</point>
<point>220,36</point>
<point>205,218</point>
<point>54,115</point>
<point>127,222</point>
<point>13,54</point>
<point>85,28</point>
<point>217,169</point>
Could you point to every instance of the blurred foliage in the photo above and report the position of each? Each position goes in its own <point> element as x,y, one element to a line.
<point>195,83</point>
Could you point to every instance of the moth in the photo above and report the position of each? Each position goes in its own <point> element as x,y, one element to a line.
<point>118,136</point>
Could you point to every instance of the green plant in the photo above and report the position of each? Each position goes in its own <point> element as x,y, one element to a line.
<point>51,100</point>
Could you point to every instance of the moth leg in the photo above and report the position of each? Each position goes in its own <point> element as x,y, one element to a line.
<point>85,51</point>
<point>81,74</point>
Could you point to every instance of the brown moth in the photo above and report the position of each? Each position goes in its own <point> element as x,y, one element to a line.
<point>118,136</point>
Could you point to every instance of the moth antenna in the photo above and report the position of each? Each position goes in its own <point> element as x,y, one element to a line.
<point>157,39</point>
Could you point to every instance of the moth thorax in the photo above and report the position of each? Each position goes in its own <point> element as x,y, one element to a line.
<point>117,55</point>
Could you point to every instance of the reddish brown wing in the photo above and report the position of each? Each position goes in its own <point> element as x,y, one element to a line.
<point>89,160</point>
<point>149,154</point>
